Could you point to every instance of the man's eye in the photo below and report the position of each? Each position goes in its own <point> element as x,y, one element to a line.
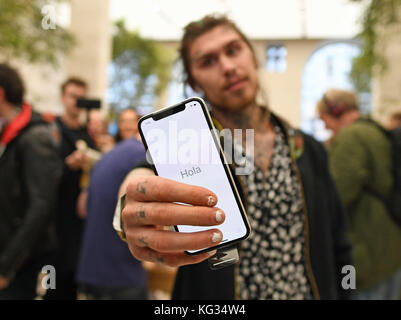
<point>207,62</point>
<point>232,51</point>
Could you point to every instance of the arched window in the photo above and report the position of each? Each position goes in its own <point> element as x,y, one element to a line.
<point>328,67</point>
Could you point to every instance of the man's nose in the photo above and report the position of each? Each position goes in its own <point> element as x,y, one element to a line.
<point>227,65</point>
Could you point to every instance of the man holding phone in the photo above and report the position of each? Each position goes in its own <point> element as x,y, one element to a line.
<point>297,249</point>
<point>183,148</point>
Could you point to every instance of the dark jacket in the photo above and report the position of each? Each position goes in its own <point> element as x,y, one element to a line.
<point>30,169</point>
<point>326,247</point>
<point>69,225</point>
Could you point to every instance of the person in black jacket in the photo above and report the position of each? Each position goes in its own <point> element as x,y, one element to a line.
<point>30,171</point>
<point>298,248</point>
<point>74,179</point>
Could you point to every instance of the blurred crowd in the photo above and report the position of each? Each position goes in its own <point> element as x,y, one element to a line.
<point>60,177</point>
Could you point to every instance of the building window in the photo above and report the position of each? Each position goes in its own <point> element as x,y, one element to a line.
<point>276,58</point>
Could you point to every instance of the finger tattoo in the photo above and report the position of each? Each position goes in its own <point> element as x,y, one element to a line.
<point>140,213</point>
<point>144,242</point>
<point>141,187</point>
<point>155,257</point>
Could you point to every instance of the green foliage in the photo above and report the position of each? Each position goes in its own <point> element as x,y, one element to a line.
<point>379,14</point>
<point>140,68</point>
<point>22,35</point>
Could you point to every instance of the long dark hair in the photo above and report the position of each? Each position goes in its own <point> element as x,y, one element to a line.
<point>12,84</point>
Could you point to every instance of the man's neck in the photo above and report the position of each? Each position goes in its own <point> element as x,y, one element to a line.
<point>71,122</point>
<point>252,116</point>
<point>355,116</point>
<point>348,118</point>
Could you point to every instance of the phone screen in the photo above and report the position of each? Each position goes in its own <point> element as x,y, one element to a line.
<point>182,148</point>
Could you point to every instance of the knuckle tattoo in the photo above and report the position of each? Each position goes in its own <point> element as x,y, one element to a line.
<point>141,187</point>
<point>140,213</point>
<point>155,257</point>
<point>144,241</point>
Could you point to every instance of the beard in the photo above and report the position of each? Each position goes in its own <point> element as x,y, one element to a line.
<point>236,101</point>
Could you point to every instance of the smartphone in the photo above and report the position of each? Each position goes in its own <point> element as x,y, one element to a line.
<point>182,145</point>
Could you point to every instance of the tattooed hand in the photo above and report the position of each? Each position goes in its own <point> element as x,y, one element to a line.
<point>151,206</point>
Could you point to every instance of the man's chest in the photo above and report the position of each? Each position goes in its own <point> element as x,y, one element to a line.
<point>263,150</point>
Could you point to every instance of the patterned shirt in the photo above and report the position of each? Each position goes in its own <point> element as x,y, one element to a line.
<point>272,263</point>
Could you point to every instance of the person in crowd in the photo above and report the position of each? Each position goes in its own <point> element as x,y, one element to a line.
<point>394,121</point>
<point>107,269</point>
<point>127,125</point>
<point>336,123</point>
<point>30,171</point>
<point>361,165</point>
<point>69,225</point>
<point>298,246</point>
<point>97,128</point>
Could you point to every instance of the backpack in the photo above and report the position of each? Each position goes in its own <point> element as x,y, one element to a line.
<point>393,201</point>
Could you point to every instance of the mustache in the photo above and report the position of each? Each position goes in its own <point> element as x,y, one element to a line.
<point>233,81</point>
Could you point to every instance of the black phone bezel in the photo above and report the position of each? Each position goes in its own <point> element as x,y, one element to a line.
<point>165,112</point>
